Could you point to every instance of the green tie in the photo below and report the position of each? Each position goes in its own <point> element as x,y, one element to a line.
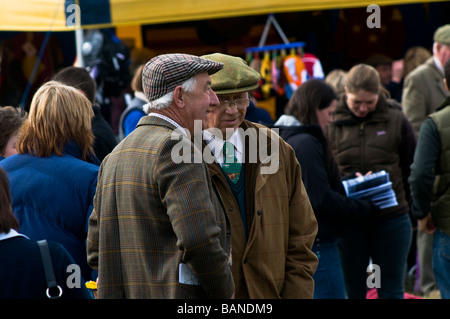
<point>231,166</point>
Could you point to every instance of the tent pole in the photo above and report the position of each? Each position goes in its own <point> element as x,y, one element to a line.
<point>79,39</point>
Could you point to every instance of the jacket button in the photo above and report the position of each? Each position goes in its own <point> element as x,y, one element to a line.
<point>259,212</point>
<point>230,209</point>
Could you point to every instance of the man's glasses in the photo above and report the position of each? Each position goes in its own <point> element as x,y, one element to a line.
<point>241,103</point>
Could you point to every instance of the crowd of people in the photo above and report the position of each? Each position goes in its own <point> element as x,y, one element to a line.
<point>194,198</point>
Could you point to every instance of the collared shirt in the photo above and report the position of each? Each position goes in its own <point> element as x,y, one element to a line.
<point>12,233</point>
<point>168,119</point>
<point>216,145</point>
<point>438,64</point>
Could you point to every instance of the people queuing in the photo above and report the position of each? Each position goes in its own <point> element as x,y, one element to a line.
<point>145,218</point>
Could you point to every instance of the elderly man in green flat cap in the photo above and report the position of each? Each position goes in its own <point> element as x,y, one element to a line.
<point>273,225</point>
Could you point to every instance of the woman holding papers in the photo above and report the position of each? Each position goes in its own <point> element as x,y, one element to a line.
<point>370,135</point>
<point>309,110</point>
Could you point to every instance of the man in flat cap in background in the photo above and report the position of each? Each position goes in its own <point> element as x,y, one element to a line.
<point>259,179</point>
<point>423,92</point>
<point>158,229</point>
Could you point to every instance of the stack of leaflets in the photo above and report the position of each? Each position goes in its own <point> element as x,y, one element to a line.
<point>375,187</point>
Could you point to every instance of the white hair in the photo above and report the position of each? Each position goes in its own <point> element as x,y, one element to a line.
<point>164,101</point>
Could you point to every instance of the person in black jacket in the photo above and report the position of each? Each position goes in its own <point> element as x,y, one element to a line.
<point>307,113</point>
<point>79,78</point>
<point>21,270</point>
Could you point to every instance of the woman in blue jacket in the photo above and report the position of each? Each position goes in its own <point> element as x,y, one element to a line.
<point>54,175</point>
<point>308,112</point>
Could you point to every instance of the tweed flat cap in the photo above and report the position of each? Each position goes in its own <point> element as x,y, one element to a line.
<point>165,72</point>
<point>442,35</point>
<point>235,77</point>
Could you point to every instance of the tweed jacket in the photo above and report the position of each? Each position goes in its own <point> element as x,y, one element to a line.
<point>276,260</point>
<point>152,214</point>
<point>423,91</point>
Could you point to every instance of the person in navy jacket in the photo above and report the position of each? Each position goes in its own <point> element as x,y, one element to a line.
<point>22,273</point>
<point>53,177</point>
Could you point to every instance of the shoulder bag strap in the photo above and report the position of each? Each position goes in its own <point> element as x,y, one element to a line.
<point>48,269</point>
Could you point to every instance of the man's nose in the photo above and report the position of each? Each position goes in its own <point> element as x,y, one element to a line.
<point>214,100</point>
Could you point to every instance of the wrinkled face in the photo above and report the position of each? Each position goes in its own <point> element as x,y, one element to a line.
<point>200,101</point>
<point>11,145</point>
<point>362,102</point>
<point>325,116</point>
<point>442,52</point>
<point>230,113</point>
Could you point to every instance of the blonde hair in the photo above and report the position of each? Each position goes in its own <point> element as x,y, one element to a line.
<point>336,78</point>
<point>362,77</point>
<point>414,57</point>
<point>58,114</point>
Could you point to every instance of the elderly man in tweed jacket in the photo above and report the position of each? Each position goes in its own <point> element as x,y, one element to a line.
<point>158,229</point>
<point>272,221</point>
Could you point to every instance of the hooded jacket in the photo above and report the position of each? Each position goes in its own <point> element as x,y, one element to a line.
<point>335,212</point>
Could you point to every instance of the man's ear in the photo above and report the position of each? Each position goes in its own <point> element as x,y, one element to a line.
<point>178,97</point>
<point>446,85</point>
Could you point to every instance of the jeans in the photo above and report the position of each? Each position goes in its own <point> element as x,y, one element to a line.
<point>441,262</point>
<point>387,243</point>
<point>328,278</point>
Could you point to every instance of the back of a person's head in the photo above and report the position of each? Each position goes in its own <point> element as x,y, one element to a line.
<point>136,83</point>
<point>58,114</point>
<point>414,57</point>
<point>336,78</point>
<point>78,78</point>
<point>7,219</point>
<point>362,77</point>
<point>310,96</point>
<point>11,120</point>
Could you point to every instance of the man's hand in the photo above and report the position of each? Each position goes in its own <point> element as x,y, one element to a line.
<point>427,225</point>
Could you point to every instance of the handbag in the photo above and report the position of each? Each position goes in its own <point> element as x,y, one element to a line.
<point>48,269</point>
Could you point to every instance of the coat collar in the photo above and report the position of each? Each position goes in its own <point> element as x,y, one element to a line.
<point>73,149</point>
<point>344,115</point>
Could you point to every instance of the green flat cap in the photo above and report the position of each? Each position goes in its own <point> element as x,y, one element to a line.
<point>442,35</point>
<point>235,77</point>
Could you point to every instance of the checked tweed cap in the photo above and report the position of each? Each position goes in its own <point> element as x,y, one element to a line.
<point>165,72</point>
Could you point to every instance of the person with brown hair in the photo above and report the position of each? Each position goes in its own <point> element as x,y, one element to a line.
<point>22,274</point>
<point>367,135</point>
<point>54,175</point>
<point>79,78</point>
<point>11,120</point>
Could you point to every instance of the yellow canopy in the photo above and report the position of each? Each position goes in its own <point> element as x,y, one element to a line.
<point>58,15</point>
